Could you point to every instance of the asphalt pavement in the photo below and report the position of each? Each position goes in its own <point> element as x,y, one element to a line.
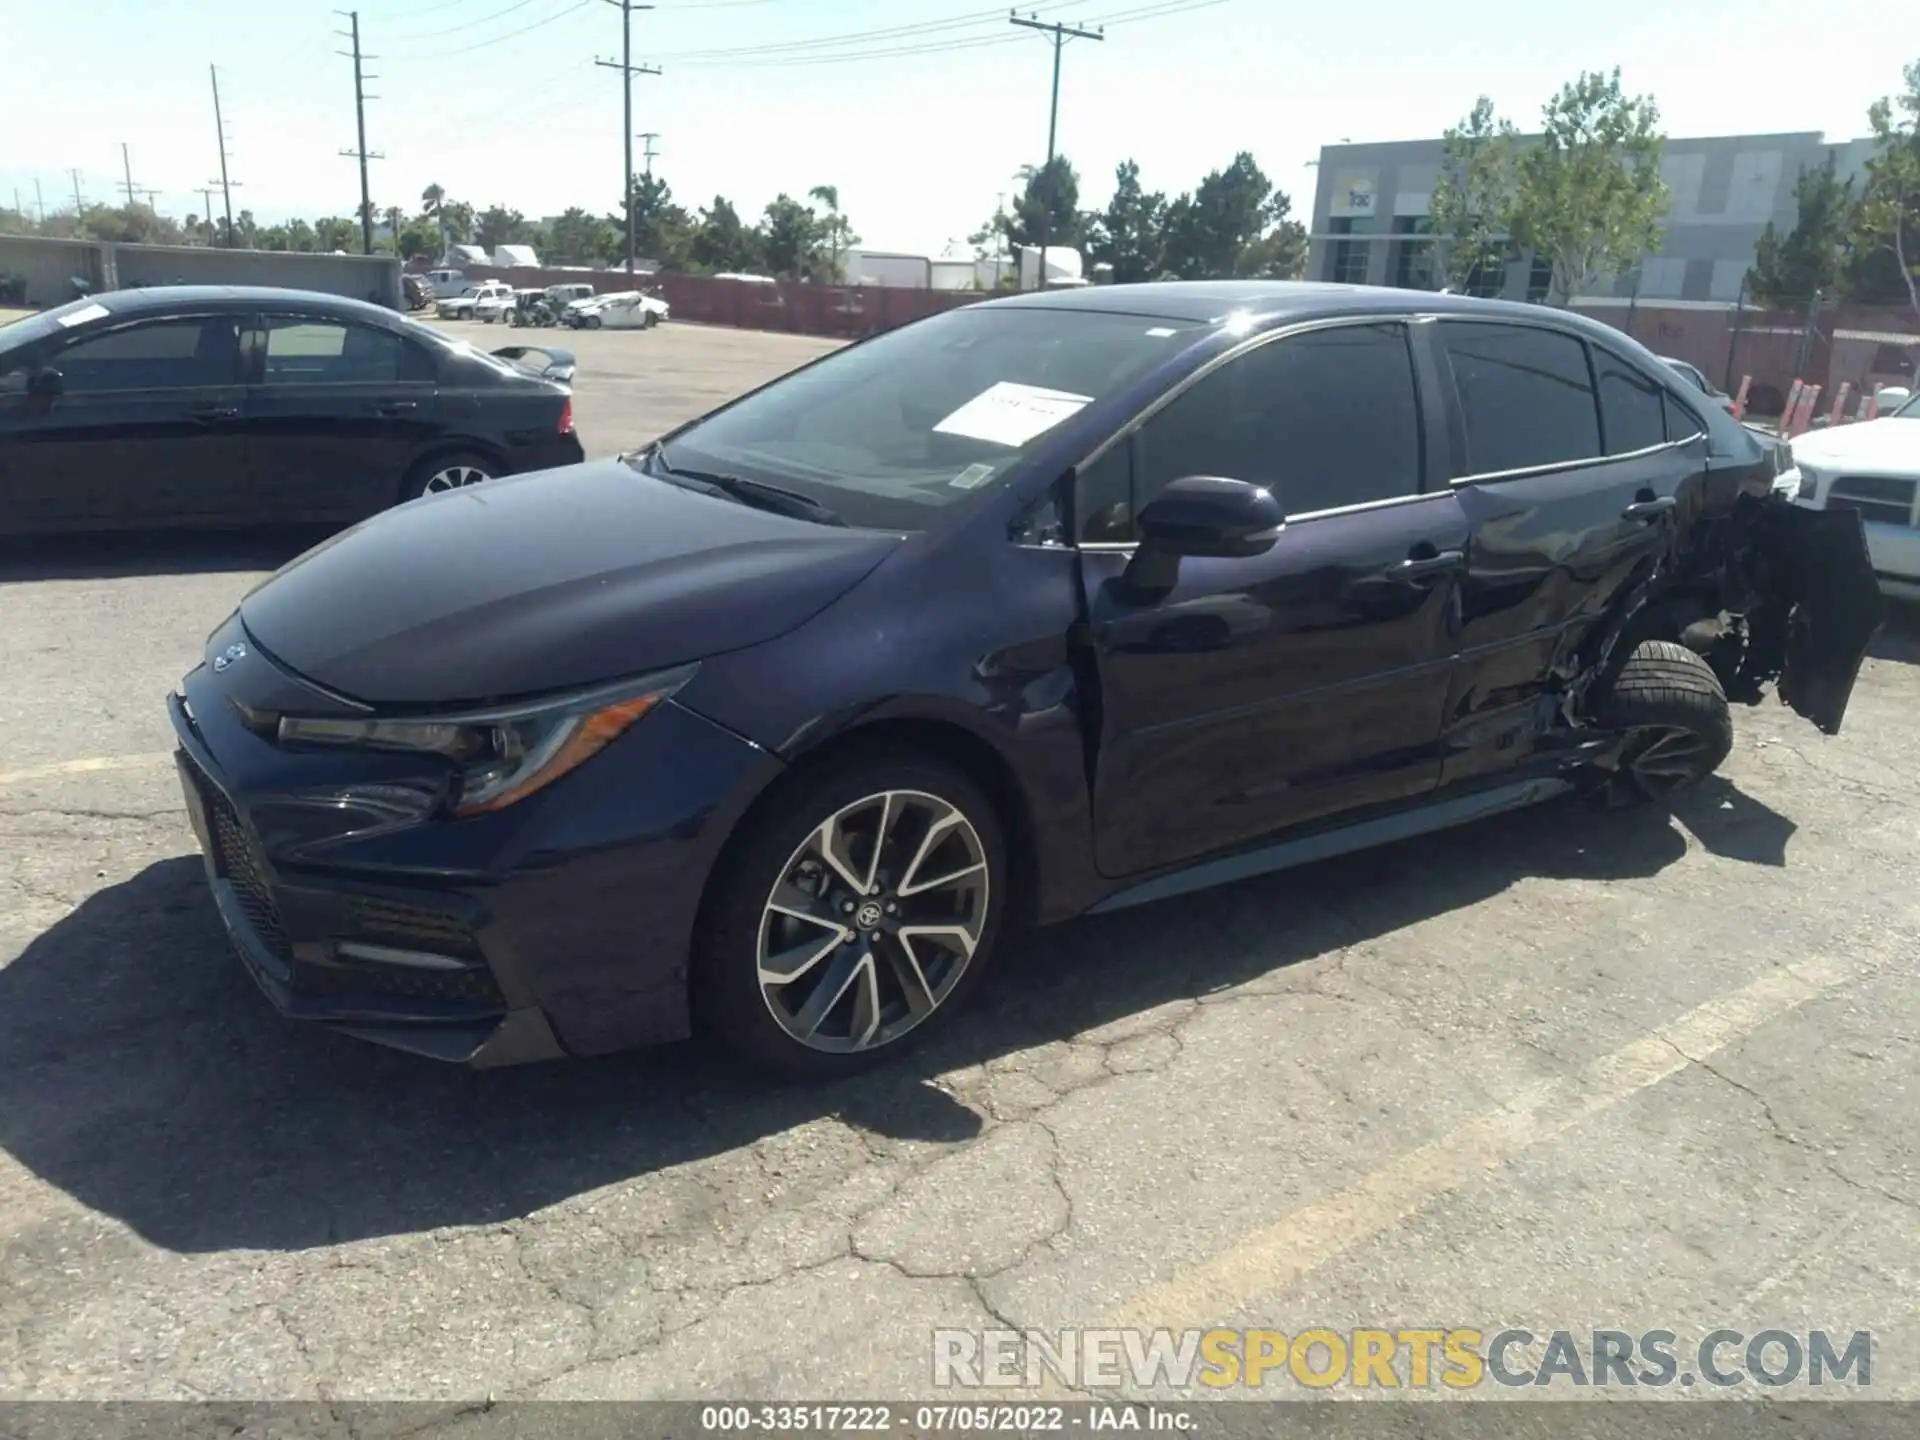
<point>1560,1071</point>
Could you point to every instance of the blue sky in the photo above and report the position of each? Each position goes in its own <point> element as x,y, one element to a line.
<point>920,130</point>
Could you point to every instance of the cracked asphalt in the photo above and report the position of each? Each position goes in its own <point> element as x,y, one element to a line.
<point>1565,1070</point>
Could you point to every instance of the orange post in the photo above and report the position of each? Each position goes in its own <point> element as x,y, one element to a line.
<point>1740,398</point>
<point>1839,402</point>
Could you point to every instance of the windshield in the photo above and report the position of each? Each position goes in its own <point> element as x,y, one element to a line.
<point>1908,411</point>
<point>891,433</point>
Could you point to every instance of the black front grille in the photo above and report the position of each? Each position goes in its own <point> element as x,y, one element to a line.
<point>238,859</point>
<point>349,976</point>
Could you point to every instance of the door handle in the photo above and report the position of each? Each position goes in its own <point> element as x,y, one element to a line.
<point>1648,509</point>
<point>396,407</point>
<point>1426,566</point>
<point>215,412</point>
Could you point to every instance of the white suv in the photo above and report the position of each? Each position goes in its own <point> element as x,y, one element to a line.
<point>1871,466</point>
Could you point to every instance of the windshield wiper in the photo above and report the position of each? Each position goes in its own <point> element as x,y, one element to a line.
<point>757,493</point>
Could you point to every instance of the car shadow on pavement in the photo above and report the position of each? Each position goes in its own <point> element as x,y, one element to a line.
<point>172,552</point>
<point>146,1077</point>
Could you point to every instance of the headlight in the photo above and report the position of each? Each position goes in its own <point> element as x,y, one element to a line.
<point>503,756</point>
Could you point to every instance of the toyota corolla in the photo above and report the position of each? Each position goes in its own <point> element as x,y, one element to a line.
<point>786,723</point>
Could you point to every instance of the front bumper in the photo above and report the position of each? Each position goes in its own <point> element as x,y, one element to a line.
<point>562,925</point>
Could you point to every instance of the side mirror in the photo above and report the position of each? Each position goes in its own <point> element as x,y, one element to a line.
<point>1202,515</point>
<point>46,383</point>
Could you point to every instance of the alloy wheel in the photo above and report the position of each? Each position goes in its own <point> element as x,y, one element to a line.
<point>453,478</point>
<point>873,921</point>
<point>1665,758</point>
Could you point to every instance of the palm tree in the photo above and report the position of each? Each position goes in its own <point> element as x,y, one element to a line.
<point>431,200</point>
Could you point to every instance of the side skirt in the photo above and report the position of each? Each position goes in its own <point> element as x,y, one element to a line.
<point>1323,845</point>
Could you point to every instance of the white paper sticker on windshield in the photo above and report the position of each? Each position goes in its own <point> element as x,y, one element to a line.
<point>84,314</point>
<point>975,474</point>
<point>1160,332</point>
<point>1012,414</point>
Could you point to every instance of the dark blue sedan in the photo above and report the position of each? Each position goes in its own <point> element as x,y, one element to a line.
<point>787,723</point>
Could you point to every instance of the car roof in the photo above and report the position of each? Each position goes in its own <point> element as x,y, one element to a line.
<point>154,298</point>
<point>1285,301</point>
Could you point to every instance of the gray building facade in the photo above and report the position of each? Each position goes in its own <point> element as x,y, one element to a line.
<point>1371,215</point>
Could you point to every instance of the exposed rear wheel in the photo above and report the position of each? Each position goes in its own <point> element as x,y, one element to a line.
<point>1671,708</point>
<point>447,472</point>
<point>860,911</point>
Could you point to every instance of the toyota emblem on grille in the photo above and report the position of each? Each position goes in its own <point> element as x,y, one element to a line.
<point>226,657</point>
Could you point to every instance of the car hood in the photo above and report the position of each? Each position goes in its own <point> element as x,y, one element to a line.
<point>1882,444</point>
<point>547,581</point>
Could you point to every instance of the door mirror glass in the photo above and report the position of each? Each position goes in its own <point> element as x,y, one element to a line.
<point>1213,516</point>
<point>45,383</point>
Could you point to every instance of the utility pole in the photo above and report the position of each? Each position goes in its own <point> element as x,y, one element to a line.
<point>126,169</point>
<point>78,204</point>
<point>206,209</point>
<point>627,70</point>
<point>1058,35</point>
<point>647,137</point>
<point>39,200</point>
<point>360,98</point>
<point>220,128</point>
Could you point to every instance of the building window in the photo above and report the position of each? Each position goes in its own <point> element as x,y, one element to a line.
<point>1539,279</point>
<point>1488,279</point>
<point>1347,259</point>
<point>1412,266</point>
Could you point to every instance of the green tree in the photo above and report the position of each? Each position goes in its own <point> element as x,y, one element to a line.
<point>1472,199</point>
<point>1213,231</point>
<point>497,226</point>
<point>1884,240</point>
<point>1587,194</point>
<point>1051,190</point>
<point>1280,254</point>
<point>1130,234</point>
<point>1789,269</point>
<point>792,239</point>
<point>335,232</point>
<point>837,231</point>
<point>721,242</point>
<point>578,238</point>
<point>662,229</point>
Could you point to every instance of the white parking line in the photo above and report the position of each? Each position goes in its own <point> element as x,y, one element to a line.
<point>1278,1256</point>
<point>88,766</point>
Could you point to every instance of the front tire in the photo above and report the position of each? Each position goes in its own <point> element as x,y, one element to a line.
<point>1671,709</point>
<point>856,916</point>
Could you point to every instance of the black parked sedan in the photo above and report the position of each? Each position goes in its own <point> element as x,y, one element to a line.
<point>228,406</point>
<point>1051,604</point>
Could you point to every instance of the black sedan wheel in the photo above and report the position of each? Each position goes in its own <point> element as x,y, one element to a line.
<point>447,472</point>
<point>1672,713</point>
<point>859,913</point>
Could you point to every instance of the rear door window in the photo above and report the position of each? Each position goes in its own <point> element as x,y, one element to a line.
<point>1632,407</point>
<point>299,351</point>
<point>1526,396</point>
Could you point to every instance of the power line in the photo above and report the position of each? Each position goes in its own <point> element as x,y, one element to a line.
<point>1057,35</point>
<point>439,54</point>
<point>220,129</point>
<point>627,70</point>
<point>457,26</point>
<point>362,154</point>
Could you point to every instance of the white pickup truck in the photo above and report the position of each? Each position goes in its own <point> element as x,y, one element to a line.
<point>462,307</point>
